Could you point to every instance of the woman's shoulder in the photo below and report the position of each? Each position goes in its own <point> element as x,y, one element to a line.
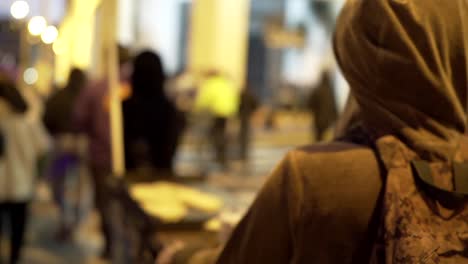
<point>338,173</point>
<point>331,192</point>
<point>337,152</point>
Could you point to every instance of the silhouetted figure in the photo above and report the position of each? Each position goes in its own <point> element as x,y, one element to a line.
<point>152,124</point>
<point>322,103</point>
<point>248,105</point>
<point>58,114</point>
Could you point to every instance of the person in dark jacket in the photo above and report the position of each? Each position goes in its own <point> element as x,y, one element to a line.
<point>152,124</point>
<point>58,114</point>
<point>58,119</point>
<point>407,66</point>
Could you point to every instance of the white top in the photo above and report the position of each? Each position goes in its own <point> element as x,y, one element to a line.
<point>25,141</point>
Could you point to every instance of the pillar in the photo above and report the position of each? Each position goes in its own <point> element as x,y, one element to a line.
<point>219,37</point>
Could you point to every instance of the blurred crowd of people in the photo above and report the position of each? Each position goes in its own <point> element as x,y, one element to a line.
<point>68,133</point>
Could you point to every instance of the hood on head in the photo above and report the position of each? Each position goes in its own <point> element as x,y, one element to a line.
<point>406,63</point>
<point>11,95</point>
<point>77,79</point>
<point>148,76</point>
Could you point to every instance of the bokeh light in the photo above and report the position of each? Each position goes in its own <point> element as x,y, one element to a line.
<point>30,76</point>
<point>49,35</point>
<point>37,25</point>
<point>19,9</point>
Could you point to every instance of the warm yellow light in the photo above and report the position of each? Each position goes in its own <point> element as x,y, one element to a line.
<point>19,9</point>
<point>59,47</point>
<point>37,25</point>
<point>30,76</point>
<point>49,35</point>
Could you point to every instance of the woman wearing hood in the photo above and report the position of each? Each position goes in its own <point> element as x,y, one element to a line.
<point>25,142</point>
<point>393,189</point>
<point>152,124</point>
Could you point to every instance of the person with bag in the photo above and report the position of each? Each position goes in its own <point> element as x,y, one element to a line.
<point>393,189</point>
<point>25,143</point>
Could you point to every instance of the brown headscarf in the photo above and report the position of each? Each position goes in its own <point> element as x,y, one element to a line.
<point>406,62</point>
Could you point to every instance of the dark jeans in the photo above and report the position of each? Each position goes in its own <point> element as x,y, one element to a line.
<point>102,200</point>
<point>66,169</point>
<point>244,137</point>
<point>17,215</point>
<point>218,135</point>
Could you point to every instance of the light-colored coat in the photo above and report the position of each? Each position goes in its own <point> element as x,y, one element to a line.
<point>25,142</point>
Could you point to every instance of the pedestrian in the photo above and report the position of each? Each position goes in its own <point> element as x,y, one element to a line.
<point>322,104</point>
<point>393,188</point>
<point>65,168</point>
<point>248,105</point>
<point>25,143</point>
<point>91,117</point>
<point>218,97</point>
<point>152,123</point>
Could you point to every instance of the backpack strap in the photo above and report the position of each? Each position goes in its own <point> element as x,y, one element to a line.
<point>372,249</point>
<point>460,171</point>
<point>423,171</point>
<point>449,199</point>
<point>2,144</point>
<point>375,235</point>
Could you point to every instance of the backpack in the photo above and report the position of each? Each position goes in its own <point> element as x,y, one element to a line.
<point>419,220</point>
<point>424,217</point>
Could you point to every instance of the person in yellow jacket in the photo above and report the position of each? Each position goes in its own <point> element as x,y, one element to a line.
<point>219,97</point>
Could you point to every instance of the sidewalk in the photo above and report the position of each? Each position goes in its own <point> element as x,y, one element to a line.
<point>43,248</point>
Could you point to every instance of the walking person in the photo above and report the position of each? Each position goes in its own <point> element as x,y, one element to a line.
<point>322,104</point>
<point>248,105</point>
<point>218,97</point>
<point>91,118</point>
<point>65,168</point>
<point>393,188</point>
<point>152,123</point>
<point>25,142</point>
